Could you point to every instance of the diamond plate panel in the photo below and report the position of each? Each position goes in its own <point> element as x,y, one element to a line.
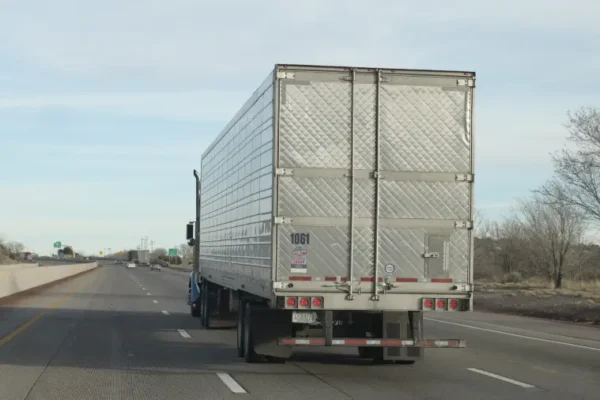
<point>365,112</point>
<point>364,252</point>
<point>421,199</point>
<point>328,253</point>
<point>423,129</point>
<point>324,197</point>
<point>404,249</point>
<point>314,126</point>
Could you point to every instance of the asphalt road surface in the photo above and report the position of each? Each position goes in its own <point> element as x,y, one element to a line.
<point>118,333</point>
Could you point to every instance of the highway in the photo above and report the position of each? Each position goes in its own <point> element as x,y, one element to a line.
<point>118,333</point>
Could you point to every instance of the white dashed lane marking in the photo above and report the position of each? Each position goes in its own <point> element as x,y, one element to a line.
<point>183,333</point>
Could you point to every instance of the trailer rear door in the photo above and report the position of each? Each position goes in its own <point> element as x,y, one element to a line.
<point>374,175</point>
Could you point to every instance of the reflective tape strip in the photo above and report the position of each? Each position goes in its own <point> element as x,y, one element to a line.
<point>300,278</point>
<point>407,280</point>
<point>370,279</point>
<point>438,343</point>
<point>442,343</point>
<point>336,278</point>
<point>441,280</point>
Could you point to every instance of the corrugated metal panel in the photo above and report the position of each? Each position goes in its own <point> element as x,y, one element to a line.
<point>236,201</point>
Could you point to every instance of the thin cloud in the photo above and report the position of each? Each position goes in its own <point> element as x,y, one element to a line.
<point>209,105</point>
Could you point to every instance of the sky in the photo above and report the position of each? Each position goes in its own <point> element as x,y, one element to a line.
<point>107,106</point>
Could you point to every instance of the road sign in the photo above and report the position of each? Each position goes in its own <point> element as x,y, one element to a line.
<point>57,245</point>
<point>172,252</point>
<point>100,252</point>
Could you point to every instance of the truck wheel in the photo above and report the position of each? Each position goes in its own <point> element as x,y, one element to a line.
<point>249,354</point>
<point>240,329</point>
<point>205,306</point>
<point>195,308</point>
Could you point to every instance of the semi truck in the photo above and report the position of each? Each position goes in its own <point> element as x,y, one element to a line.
<point>336,209</point>
<point>144,257</point>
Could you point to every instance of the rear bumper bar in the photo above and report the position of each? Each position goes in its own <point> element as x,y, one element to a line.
<point>424,343</point>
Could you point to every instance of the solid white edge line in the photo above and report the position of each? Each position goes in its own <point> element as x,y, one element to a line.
<point>579,346</point>
<point>149,294</point>
<point>183,333</point>
<point>502,378</point>
<point>230,383</point>
<point>165,312</point>
<point>155,301</point>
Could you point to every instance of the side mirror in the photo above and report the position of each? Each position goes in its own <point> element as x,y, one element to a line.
<point>189,233</point>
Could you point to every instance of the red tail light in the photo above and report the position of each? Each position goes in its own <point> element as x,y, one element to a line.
<point>428,303</point>
<point>453,304</point>
<point>441,303</point>
<point>291,302</point>
<point>304,302</point>
<point>317,302</point>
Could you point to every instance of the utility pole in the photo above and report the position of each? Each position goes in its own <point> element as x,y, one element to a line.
<point>151,246</point>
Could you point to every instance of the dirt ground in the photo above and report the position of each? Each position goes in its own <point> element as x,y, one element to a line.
<point>574,303</point>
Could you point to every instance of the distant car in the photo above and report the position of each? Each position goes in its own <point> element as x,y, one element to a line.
<point>131,265</point>
<point>155,267</point>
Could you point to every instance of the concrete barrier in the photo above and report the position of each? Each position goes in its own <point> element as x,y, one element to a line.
<point>29,276</point>
<point>18,266</point>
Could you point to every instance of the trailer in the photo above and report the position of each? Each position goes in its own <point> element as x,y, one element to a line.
<point>336,209</point>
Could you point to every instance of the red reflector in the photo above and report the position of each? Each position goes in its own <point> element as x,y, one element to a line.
<point>304,302</point>
<point>291,302</point>
<point>300,278</point>
<point>370,279</point>
<point>407,280</point>
<point>317,302</point>
<point>335,278</point>
<point>441,280</point>
<point>441,303</point>
<point>428,303</point>
<point>453,304</point>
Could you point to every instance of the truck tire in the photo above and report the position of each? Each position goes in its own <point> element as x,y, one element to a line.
<point>204,303</point>
<point>195,309</point>
<point>250,355</point>
<point>240,328</point>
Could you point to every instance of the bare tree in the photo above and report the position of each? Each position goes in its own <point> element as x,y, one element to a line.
<point>159,252</point>
<point>551,230</point>
<point>508,235</point>
<point>577,169</point>
<point>186,253</point>
<point>479,224</point>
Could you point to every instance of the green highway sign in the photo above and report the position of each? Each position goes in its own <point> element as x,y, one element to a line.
<point>57,245</point>
<point>172,252</point>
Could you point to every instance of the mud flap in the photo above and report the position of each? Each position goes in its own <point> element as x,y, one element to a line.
<point>268,326</point>
<point>403,325</point>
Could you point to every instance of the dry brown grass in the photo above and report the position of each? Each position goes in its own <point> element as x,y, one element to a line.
<point>540,288</point>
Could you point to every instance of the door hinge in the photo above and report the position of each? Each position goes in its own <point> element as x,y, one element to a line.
<point>377,175</point>
<point>465,82</point>
<point>284,171</point>
<point>286,75</point>
<point>383,78</point>
<point>282,220</point>
<point>463,224</point>
<point>464,177</point>
<point>434,254</point>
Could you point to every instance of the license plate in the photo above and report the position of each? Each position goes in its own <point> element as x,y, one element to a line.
<point>304,317</point>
